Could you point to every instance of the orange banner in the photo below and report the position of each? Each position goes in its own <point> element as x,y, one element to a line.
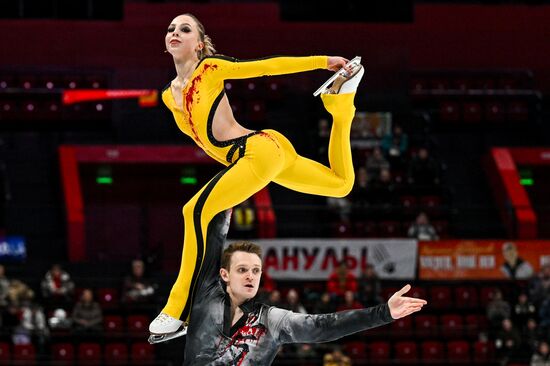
<point>481,259</point>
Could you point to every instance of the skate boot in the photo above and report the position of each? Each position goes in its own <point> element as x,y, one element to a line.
<point>165,328</point>
<point>341,82</point>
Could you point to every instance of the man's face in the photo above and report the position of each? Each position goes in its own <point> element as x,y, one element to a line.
<point>243,277</point>
<point>510,254</point>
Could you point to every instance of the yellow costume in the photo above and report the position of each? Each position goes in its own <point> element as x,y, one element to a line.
<point>252,160</point>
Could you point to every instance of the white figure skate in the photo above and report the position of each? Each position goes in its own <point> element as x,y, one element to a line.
<point>356,61</point>
<point>165,328</point>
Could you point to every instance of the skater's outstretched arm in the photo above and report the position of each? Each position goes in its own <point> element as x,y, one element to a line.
<point>306,328</point>
<point>231,68</point>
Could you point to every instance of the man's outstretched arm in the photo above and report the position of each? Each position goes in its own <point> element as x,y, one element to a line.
<point>289,327</point>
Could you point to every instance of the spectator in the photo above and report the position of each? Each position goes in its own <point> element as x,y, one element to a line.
<point>267,286</point>
<point>32,327</point>
<point>542,355</point>
<point>376,162</point>
<point>524,309</point>
<point>539,286</point>
<point>508,341</point>
<point>244,220</point>
<point>340,208</point>
<point>325,305</point>
<point>336,358</point>
<point>544,315</point>
<point>137,288</point>
<point>424,173</point>
<point>57,285</point>
<point>514,266</point>
<point>498,309</point>
<point>369,287</point>
<point>382,193</point>
<point>341,280</point>
<point>360,195</point>
<point>395,146</point>
<point>19,293</point>
<point>531,335</point>
<point>4,287</point>
<point>87,315</point>
<point>293,302</point>
<point>275,299</point>
<point>350,303</point>
<point>422,229</point>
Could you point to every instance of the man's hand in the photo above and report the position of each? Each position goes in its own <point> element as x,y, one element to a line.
<point>401,306</point>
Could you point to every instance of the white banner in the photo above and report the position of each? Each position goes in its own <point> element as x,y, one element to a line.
<point>315,259</point>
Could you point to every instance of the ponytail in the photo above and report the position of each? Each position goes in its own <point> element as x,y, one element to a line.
<point>208,49</point>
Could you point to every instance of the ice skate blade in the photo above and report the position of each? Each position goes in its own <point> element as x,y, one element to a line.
<point>356,60</point>
<point>158,338</point>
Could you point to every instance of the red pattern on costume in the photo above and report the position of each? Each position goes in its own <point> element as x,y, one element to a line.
<point>247,334</point>
<point>193,91</point>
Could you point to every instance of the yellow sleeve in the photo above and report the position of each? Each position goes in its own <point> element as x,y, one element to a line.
<point>232,68</point>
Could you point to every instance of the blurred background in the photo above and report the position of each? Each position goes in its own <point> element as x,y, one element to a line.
<point>451,147</point>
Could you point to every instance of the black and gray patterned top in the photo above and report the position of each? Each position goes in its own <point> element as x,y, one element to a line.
<point>256,337</point>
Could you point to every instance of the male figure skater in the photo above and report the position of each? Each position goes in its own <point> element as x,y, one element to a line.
<point>228,327</point>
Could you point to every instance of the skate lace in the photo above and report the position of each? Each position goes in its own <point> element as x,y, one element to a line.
<point>164,318</point>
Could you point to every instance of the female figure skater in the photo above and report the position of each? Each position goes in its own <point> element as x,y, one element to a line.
<point>201,109</point>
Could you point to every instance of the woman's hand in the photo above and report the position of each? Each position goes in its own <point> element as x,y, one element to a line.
<point>335,63</point>
<point>401,306</point>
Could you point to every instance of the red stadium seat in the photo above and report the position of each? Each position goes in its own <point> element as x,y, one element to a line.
<point>440,297</point>
<point>341,229</point>
<point>466,297</point>
<point>494,112</point>
<point>405,352</point>
<point>367,229</point>
<point>5,352</point>
<point>442,228</point>
<point>89,353</point>
<point>439,84</point>
<point>356,350</point>
<point>486,295</point>
<point>449,112</point>
<point>518,111</point>
<point>142,352</point>
<point>426,325</point>
<point>24,354</point>
<point>483,352</point>
<point>63,353</point>
<point>431,205</point>
<point>458,352</point>
<point>402,328</point>
<point>108,297</point>
<point>137,324</point>
<point>113,324</point>
<point>472,112</point>
<point>417,292</point>
<point>408,204</point>
<point>452,325</point>
<point>380,351</point>
<point>419,85</point>
<point>432,352</point>
<point>116,353</point>
<point>255,110</point>
<point>389,229</point>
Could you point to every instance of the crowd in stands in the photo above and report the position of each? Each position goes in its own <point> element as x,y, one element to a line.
<point>517,313</point>
<point>62,309</point>
<point>397,188</point>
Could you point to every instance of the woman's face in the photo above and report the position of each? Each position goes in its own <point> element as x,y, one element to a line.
<point>182,37</point>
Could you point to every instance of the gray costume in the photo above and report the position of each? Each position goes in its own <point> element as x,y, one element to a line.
<point>256,337</point>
